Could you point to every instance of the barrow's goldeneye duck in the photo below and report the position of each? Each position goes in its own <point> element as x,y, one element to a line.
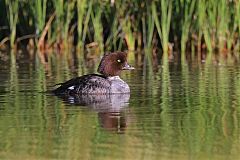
<point>107,82</point>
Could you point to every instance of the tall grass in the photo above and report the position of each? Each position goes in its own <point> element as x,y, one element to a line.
<point>12,8</point>
<point>204,25</point>
<point>60,21</point>
<point>81,11</point>
<point>40,8</point>
<point>70,13</point>
<point>98,29</point>
<point>163,21</point>
<point>127,24</point>
<point>217,22</point>
<point>186,8</point>
<point>86,22</point>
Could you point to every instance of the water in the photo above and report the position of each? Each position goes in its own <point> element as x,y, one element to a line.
<point>189,111</point>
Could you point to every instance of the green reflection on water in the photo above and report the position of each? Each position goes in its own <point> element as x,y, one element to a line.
<point>183,111</point>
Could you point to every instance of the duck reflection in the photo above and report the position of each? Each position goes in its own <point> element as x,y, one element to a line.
<point>111,108</point>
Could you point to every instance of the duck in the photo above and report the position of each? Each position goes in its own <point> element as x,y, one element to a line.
<point>107,82</point>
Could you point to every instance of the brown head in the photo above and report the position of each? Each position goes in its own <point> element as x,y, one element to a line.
<point>113,63</point>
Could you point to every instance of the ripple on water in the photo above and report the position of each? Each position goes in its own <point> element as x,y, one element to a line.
<point>190,113</point>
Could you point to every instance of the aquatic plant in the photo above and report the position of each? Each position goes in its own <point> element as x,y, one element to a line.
<point>161,25</point>
<point>12,15</point>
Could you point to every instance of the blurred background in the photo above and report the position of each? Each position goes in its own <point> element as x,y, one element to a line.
<point>189,27</point>
<point>185,90</point>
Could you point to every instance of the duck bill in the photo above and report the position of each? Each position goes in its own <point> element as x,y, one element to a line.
<point>127,67</point>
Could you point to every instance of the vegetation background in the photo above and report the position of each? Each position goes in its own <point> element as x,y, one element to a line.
<point>188,110</point>
<point>162,26</point>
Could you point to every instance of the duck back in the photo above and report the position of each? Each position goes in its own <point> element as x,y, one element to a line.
<point>87,84</point>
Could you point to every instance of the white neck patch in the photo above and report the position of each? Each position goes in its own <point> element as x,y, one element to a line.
<point>114,78</point>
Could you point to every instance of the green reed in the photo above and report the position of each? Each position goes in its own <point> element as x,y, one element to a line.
<point>217,21</point>
<point>40,8</point>
<point>114,37</point>
<point>81,11</point>
<point>86,22</point>
<point>237,13</point>
<point>232,40</point>
<point>12,15</point>
<point>163,21</point>
<point>111,40</point>
<point>207,24</point>
<point>70,13</point>
<point>98,29</point>
<point>203,25</point>
<point>147,27</point>
<point>228,24</point>
<point>187,7</point>
<point>59,7</point>
<point>127,25</point>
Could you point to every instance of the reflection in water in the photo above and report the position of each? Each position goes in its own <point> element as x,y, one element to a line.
<point>183,111</point>
<point>108,106</point>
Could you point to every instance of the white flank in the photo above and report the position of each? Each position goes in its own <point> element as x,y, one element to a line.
<point>71,88</point>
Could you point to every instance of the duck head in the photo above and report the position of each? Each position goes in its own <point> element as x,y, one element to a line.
<point>113,63</point>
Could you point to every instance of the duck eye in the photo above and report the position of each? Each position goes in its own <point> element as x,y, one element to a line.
<point>119,61</point>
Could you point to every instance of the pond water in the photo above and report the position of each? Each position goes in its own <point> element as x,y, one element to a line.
<point>188,110</point>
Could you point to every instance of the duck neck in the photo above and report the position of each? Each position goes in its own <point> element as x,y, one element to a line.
<point>114,77</point>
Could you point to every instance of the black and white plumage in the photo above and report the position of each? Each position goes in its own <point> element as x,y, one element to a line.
<point>108,82</point>
<point>87,84</point>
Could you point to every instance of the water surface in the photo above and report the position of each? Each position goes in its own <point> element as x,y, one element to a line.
<point>188,110</point>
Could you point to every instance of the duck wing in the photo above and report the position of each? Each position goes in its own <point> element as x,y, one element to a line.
<point>87,84</point>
